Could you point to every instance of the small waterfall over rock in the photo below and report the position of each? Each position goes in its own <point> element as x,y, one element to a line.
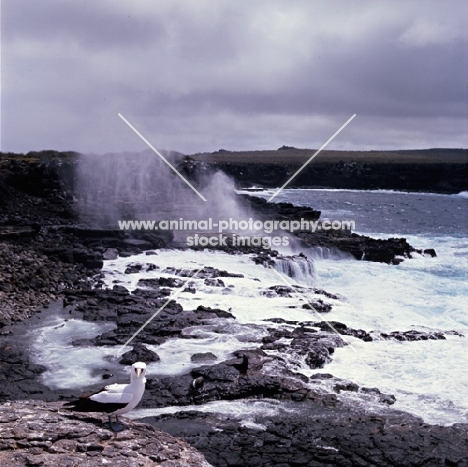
<point>324,252</point>
<point>298,267</point>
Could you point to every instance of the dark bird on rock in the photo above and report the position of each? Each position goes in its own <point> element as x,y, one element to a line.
<point>197,383</point>
<point>114,399</point>
<point>243,366</point>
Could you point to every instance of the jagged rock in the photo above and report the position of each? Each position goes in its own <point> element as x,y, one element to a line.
<point>134,268</point>
<point>388,399</point>
<point>413,335</point>
<point>170,282</point>
<point>278,291</point>
<point>208,272</point>
<point>152,283</point>
<point>36,433</point>
<point>325,434</point>
<point>219,313</point>
<point>343,329</point>
<point>214,282</point>
<point>110,253</point>
<point>89,258</point>
<point>327,294</point>
<point>346,386</point>
<point>318,305</point>
<point>317,347</point>
<point>431,252</point>
<point>120,289</point>
<point>139,353</point>
<point>203,357</point>
<point>318,358</point>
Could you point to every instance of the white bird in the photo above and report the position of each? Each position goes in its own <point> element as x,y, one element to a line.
<point>115,399</point>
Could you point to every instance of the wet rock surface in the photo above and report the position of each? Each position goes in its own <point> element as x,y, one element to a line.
<point>317,435</point>
<point>324,431</point>
<point>36,433</point>
<point>139,353</point>
<point>361,247</point>
<point>19,378</point>
<point>413,335</point>
<point>339,437</point>
<point>207,272</point>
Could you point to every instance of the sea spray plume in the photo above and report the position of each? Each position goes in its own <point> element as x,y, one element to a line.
<point>222,202</point>
<point>110,187</point>
<point>139,186</point>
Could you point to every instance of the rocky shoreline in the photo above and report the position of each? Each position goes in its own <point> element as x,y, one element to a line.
<point>318,436</point>
<point>48,246</point>
<point>35,433</point>
<point>51,256</point>
<point>315,424</point>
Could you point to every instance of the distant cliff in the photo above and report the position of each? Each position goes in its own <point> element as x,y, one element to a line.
<point>428,170</point>
<point>425,170</point>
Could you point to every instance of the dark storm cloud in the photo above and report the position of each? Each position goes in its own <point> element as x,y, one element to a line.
<point>199,75</point>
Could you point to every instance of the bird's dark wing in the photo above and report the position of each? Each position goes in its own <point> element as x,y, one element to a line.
<point>88,405</point>
<point>101,401</point>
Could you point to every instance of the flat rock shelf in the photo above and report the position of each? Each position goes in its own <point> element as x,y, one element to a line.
<point>36,433</point>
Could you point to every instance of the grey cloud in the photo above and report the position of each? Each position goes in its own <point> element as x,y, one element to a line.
<point>208,74</point>
<point>91,24</point>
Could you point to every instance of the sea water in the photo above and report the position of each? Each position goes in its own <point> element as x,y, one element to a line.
<point>428,378</point>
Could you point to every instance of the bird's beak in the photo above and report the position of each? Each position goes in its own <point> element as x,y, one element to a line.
<point>138,372</point>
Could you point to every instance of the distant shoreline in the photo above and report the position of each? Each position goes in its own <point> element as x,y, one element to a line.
<point>428,170</point>
<point>299,156</point>
<point>288,155</point>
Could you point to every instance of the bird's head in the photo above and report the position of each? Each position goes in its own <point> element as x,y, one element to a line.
<point>138,371</point>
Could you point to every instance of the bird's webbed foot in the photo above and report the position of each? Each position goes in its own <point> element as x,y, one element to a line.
<point>116,427</point>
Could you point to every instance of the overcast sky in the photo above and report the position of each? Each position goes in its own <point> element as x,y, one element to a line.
<point>200,75</point>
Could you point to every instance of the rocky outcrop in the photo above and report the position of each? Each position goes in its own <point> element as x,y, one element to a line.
<point>19,378</point>
<point>36,433</point>
<point>361,247</point>
<point>315,435</point>
<point>139,353</point>
<point>29,278</point>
